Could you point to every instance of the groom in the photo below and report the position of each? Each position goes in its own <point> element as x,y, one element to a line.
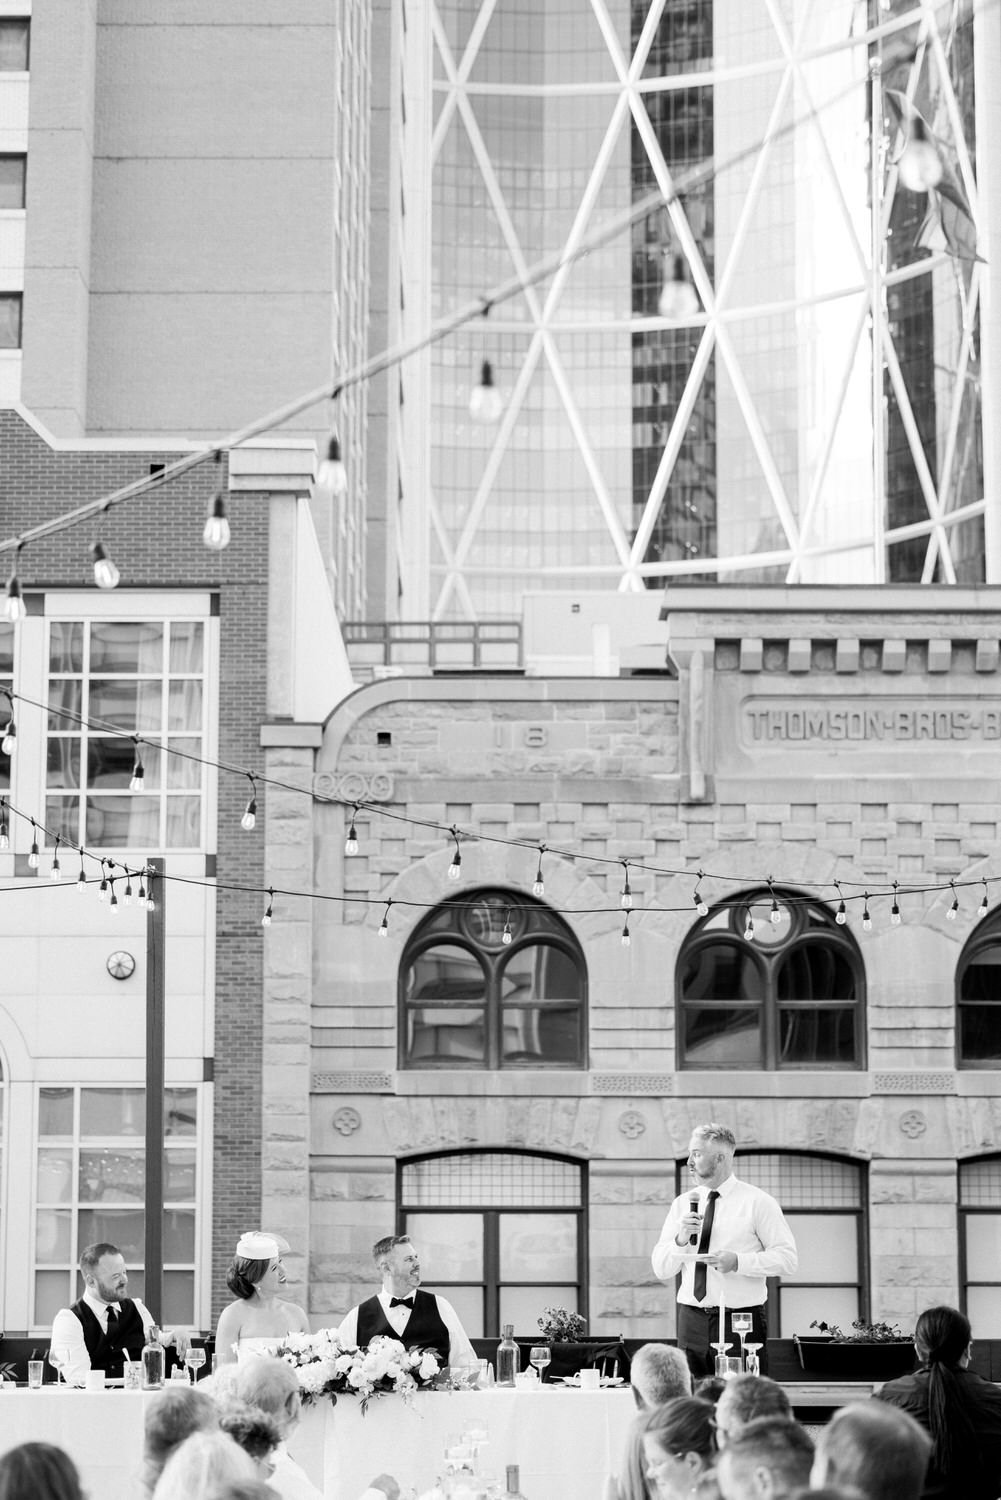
<point>401,1311</point>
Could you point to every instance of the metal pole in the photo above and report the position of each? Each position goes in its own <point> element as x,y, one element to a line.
<point>155,920</point>
<point>876,295</point>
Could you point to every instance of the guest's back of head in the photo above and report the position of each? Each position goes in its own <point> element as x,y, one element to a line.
<point>38,1471</point>
<point>775,1447</point>
<point>659,1372</point>
<point>179,1411</point>
<point>874,1448</point>
<point>203,1462</point>
<point>709,1388</point>
<point>270,1384</point>
<point>744,1399</point>
<point>252,1429</point>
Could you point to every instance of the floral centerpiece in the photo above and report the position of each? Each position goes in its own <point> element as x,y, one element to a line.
<point>869,1351</point>
<point>325,1368</point>
<point>560,1326</point>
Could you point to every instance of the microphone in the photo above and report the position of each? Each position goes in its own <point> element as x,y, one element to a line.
<point>693,1207</point>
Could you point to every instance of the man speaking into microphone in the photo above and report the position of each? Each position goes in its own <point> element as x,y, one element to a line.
<point>725,1237</point>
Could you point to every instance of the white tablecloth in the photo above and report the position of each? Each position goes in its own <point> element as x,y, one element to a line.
<point>566,1442</point>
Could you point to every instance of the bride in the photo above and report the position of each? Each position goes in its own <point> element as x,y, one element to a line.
<point>259,1316</point>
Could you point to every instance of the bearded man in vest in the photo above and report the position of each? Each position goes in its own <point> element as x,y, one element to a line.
<point>94,1332</point>
<point>419,1319</point>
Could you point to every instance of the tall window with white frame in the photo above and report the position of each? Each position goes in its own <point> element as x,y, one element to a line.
<point>501,1234</point>
<point>823,1199</point>
<point>146,677</point>
<point>90,1185</point>
<point>980,1244</point>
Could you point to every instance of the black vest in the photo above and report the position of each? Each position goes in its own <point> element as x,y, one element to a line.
<point>106,1354</point>
<point>425,1328</point>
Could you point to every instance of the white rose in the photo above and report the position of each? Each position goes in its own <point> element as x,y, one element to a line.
<point>428,1366</point>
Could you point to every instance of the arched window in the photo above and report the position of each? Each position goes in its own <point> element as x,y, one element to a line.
<point>790,996</point>
<point>978,999</point>
<point>492,980</point>
<point>500,1233</point>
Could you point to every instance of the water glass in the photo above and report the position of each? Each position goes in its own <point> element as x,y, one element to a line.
<point>727,1366</point>
<point>195,1359</point>
<point>36,1369</point>
<point>540,1355</point>
<point>133,1371</point>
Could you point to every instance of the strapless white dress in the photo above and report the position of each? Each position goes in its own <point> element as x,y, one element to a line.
<point>253,1348</point>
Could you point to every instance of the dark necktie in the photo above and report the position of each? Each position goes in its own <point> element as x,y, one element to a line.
<point>401,1302</point>
<point>699,1285</point>
<point>112,1322</point>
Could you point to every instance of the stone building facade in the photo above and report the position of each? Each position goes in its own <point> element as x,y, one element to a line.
<point>795,739</point>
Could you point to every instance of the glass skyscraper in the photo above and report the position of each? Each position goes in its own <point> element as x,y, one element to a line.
<point>805,404</point>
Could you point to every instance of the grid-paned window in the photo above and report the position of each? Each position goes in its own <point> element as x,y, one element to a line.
<point>15,33</point>
<point>978,998</point>
<point>768,982</point>
<point>10,320</point>
<point>12,180</point>
<point>119,689</point>
<point>500,1234</point>
<point>90,1185</point>
<point>823,1199</point>
<point>980,1244</point>
<point>494,980</point>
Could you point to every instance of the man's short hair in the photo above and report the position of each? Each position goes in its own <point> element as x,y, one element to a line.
<point>267,1383</point>
<point>875,1448</point>
<point>714,1131</point>
<point>175,1415</point>
<point>658,1373</point>
<point>93,1253</point>
<point>382,1247</point>
<point>777,1444</point>
<point>745,1398</point>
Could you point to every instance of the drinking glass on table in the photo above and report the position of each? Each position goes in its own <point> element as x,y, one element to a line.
<point>194,1359</point>
<point>753,1363</point>
<point>540,1355</point>
<point>59,1358</point>
<point>741,1323</point>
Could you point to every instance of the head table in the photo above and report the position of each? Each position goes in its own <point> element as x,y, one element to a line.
<point>566,1441</point>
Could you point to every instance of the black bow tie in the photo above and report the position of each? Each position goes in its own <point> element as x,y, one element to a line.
<point>401,1302</point>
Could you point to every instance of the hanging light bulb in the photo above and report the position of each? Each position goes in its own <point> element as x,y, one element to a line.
<point>982,908</point>
<point>266,919</point>
<point>81,880</point>
<point>13,605</point>
<point>4,827</point>
<point>33,857</point>
<point>626,898</point>
<point>749,929</point>
<point>866,919</point>
<point>678,298</point>
<point>102,889</point>
<point>138,779</point>
<point>455,868</point>
<point>249,820</point>
<point>127,896</point>
<point>485,403</point>
<point>895,908</point>
<point>55,869</point>
<point>384,924</point>
<point>842,915</point>
<point>775,915</point>
<point>920,166</point>
<point>141,893</point>
<point>698,898</point>
<point>150,902</point>
<point>113,903</point>
<point>216,534</point>
<point>507,936</point>
<point>626,939</point>
<point>9,742</point>
<point>332,475</point>
<point>953,911</point>
<point>539,888</point>
<point>351,842</point>
<point>106,575</point>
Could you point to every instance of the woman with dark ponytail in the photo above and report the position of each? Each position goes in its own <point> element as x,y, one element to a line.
<point>960,1411</point>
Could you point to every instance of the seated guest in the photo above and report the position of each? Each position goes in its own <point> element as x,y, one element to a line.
<point>254,1431</point>
<point>710,1388</point>
<point>744,1399</point>
<point>874,1448</point>
<point>768,1459</point>
<point>679,1446</point>
<point>38,1471</point>
<point>272,1385</point>
<point>659,1372</point>
<point>401,1311</point>
<point>260,1315</point>
<point>178,1412</point>
<point>104,1322</point>
<point>960,1411</point>
<point>203,1462</point>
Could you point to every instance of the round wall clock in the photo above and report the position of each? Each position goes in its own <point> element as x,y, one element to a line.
<point>121,965</point>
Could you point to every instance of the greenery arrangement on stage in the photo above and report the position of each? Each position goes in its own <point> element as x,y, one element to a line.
<point>863,1333</point>
<point>560,1326</point>
<point>870,1351</point>
<point>326,1369</point>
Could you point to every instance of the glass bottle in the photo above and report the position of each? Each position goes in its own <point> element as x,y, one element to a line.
<point>513,1483</point>
<point>508,1357</point>
<point>153,1361</point>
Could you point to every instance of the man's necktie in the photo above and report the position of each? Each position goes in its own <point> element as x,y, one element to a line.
<point>401,1302</point>
<point>699,1285</point>
<point>112,1322</point>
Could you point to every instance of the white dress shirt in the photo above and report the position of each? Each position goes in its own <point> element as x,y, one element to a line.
<point>67,1333</point>
<point>747,1221</point>
<point>459,1347</point>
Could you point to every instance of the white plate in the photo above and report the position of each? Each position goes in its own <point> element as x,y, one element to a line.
<point>574,1380</point>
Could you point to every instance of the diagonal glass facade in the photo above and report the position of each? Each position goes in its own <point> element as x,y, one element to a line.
<point>804,405</point>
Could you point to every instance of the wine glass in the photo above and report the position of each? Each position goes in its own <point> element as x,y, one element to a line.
<point>753,1364</point>
<point>742,1323</point>
<point>194,1359</point>
<point>721,1348</point>
<point>540,1355</point>
<point>59,1358</point>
